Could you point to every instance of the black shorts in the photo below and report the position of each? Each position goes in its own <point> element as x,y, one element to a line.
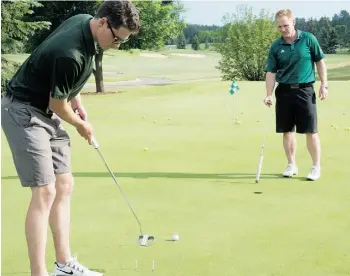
<point>296,108</point>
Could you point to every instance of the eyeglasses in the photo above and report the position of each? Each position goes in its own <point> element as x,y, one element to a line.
<point>117,39</point>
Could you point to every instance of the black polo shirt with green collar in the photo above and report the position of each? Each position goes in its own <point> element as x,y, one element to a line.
<point>294,63</point>
<point>59,67</point>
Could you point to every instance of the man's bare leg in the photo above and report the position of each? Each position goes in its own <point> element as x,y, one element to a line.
<point>60,217</point>
<point>36,226</point>
<point>290,146</point>
<point>314,148</point>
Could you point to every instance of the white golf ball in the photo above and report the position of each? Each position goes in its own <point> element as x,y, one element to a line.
<point>176,237</point>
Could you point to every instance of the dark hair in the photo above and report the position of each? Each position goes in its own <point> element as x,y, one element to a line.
<point>120,14</point>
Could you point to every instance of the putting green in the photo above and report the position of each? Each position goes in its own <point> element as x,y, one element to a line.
<point>196,179</point>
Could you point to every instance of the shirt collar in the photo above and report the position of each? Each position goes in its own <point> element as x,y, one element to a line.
<point>299,36</point>
<point>89,40</point>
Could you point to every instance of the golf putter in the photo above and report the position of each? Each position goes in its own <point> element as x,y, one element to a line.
<point>143,239</point>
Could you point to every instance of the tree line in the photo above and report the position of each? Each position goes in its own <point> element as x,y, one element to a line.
<point>331,33</point>
<point>248,37</point>
<point>26,24</point>
<point>243,40</point>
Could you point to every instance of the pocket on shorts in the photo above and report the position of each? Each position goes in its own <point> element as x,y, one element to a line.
<point>310,94</point>
<point>22,116</point>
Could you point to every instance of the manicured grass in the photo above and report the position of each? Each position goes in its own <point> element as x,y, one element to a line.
<point>197,179</point>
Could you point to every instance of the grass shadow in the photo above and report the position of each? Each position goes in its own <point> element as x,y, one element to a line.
<point>172,175</point>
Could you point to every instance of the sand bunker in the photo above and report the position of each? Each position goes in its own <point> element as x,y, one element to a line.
<point>190,55</point>
<point>153,55</point>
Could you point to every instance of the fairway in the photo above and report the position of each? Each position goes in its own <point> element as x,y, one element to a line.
<point>196,179</point>
<point>125,66</point>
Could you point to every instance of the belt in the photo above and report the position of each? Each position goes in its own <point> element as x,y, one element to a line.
<point>46,112</point>
<point>296,85</point>
<point>13,99</point>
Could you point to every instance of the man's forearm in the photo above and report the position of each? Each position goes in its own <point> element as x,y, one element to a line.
<point>76,101</point>
<point>65,111</point>
<point>322,71</point>
<point>270,82</point>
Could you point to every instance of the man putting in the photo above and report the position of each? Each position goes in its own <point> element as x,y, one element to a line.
<point>291,63</point>
<point>44,91</point>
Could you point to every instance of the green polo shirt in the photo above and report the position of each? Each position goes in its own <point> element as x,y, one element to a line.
<point>294,63</point>
<point>59,67</point>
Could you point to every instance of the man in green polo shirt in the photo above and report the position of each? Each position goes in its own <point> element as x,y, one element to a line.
<point>291,63</point>
<point>44,91</point>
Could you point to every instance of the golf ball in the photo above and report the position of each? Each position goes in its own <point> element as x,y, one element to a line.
<point>176,237</point>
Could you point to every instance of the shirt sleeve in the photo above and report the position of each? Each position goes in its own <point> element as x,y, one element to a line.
<point>271,63</point>
<point>64,75</point>
<point>315,49</point>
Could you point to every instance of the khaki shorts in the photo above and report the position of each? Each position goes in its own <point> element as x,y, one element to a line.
<point>40,146</point>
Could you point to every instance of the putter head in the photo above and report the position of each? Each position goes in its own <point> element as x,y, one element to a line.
<point>146,240</point>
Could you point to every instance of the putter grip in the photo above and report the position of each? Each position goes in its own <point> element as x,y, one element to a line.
<point>94,143</point>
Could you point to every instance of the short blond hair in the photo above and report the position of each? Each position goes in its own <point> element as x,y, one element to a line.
<point>285,12</point>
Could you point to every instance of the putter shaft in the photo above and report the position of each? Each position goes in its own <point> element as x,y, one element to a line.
<point>262,149</point>
<point>116,182</point>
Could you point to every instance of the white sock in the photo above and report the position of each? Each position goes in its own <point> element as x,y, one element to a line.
<point>60,265</point>
<point>63,265</point>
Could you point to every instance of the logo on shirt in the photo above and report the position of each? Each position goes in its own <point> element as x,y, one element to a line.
<point>282,51</point>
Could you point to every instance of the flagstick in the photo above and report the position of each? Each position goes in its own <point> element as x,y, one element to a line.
<point>234,88</point>
<point>234,108</point>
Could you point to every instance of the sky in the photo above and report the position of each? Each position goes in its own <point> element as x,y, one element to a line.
<point>209,12</point>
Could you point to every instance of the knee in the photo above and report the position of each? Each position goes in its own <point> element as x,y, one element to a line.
<point>288,135</point>
<point>44,196</point>
<point>312,136</point>
<point>64,185</point>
